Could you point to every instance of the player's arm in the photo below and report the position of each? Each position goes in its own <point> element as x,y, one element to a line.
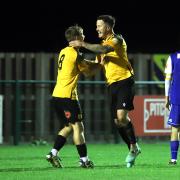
<point>167,86</point>
<point>168,74</point>
<point>88,66</point>
<point>89,57</point>
<point>96,48</point>
<point>107,47</point>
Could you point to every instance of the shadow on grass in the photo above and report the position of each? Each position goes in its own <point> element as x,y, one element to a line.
<point>26,169</point>
<point>139,166</point>
<point>20,158</point>
<point>51,168</point>
<point>155,166</point>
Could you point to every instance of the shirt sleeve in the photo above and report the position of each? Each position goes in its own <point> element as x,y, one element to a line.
<point>168,72</point>
<point>109,43</point>
<point>168,68</point>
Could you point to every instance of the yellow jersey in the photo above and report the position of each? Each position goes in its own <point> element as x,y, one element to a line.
<point>68,73</point>
<point>116,63</point>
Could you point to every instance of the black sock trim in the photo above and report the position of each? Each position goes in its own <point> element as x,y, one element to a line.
<point>124,136</point>
<point>59,142</point>
<point>82,150</point>
<point>129,128</point>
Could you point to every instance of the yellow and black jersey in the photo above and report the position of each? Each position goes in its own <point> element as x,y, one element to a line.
<point>116,64</point>
<point>68,73</point>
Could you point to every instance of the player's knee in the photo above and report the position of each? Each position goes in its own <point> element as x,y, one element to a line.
<point>174,134</point>
<point>78,127</point>
<point>121,121</point>
<point>118,122</point>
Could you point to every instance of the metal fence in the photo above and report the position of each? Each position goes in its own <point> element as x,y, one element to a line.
<point>27,81</point>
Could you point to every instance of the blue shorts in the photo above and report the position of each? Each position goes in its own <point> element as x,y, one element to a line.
<point>174,116</point>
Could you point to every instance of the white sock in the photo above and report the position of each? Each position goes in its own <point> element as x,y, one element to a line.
<point>84,159</point>
<point>54,152</point>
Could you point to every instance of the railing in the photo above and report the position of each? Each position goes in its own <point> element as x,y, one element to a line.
<point>93,95</point>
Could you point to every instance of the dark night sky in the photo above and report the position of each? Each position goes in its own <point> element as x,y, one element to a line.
<point>147,27</point>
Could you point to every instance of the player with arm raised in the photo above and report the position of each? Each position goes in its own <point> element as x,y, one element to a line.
<point>120,79</point>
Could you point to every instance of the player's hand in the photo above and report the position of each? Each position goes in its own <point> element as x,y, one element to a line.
<point>89,68</point>
<point>167,103</point>
<point>90,62</point>
<point>76,43</point>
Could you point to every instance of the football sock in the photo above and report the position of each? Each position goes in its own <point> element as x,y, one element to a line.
<point>174,145</point>
<point>54,152</point>
<point>124,136</point>
<point>59,142</point>
<point>84,159</point>
<point>82,150</point>
<point>129,129</point>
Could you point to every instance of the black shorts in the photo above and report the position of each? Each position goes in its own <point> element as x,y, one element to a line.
<point>121,95</point>
<point>68,111</point>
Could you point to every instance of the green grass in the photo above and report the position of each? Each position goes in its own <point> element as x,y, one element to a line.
<point>28,162</point>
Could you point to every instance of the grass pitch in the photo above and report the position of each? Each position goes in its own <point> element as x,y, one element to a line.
<point>25,162</point>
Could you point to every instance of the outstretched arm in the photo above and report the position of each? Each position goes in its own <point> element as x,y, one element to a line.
<point>97,48</point>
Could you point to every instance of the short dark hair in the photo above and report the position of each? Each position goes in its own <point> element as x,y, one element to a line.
<point>110,20</point>
<point>72,32</point>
